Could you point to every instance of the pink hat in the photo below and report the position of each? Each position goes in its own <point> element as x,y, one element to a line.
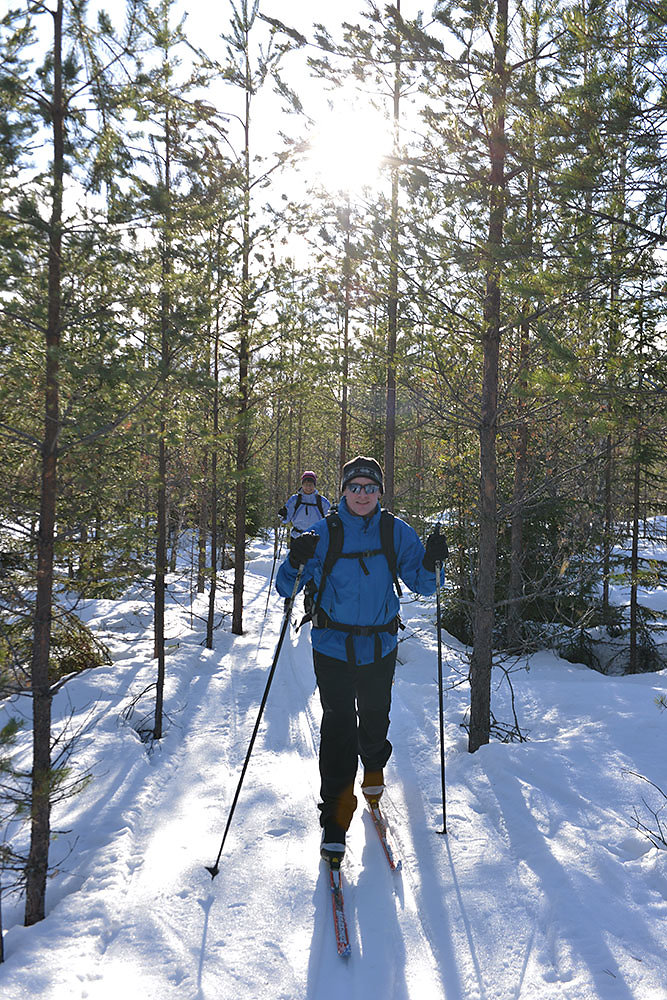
<point>309,475</point>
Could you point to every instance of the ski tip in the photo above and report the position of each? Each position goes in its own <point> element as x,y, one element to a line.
<point>213,871</point>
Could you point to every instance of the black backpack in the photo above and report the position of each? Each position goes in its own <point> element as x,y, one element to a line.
<point>300,500</point>
<point>335,550</point>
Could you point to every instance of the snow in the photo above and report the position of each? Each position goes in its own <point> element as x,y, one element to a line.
<point>542,887</point>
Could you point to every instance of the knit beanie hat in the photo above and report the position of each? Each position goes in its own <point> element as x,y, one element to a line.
<point>361,466</point>
<point>309,475</point>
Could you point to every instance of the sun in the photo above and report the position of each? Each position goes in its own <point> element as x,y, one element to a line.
<point>348,148</point>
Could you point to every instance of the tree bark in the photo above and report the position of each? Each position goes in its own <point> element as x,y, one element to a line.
<point>515,632</point>
<point>484,611</point>
<point>347,292</point>
<point>514,616</point>
<point>40,817</point>
<point>213,506</point>
<point>392,317</point>
<point>161,540</point>
<point>634,558</point>
<point>243,399</point>
<point>202,532</point>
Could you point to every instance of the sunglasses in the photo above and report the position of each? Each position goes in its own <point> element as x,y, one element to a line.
<point>366,487</point>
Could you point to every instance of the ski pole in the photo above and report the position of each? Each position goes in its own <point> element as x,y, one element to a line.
<point>438,571</point>
<point>214,869</point>
<point>277,547</point>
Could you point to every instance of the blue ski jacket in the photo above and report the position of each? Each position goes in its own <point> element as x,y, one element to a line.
<point>303,513</point>
<point>352,597</point>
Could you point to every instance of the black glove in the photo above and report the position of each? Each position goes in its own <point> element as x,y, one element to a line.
<point>436,551</point>
<point>302,548</point>
<point>282,512</point>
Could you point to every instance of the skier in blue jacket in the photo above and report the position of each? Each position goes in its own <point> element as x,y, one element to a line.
<point>304,507</point>
<point>354,641</point>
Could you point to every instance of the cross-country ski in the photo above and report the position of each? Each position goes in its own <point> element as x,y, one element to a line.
<point>338,906</point>
<point>385,835</point>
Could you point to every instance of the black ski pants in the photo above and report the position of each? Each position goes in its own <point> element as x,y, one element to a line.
<point>355,703</point>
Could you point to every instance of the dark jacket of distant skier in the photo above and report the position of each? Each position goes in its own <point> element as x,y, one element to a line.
<point>360,592</point>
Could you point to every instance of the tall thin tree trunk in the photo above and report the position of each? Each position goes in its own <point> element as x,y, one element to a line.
<point>276,492</point>
<point>347,281</point>
<point>634,558</point>
<point>484,612</point>
<point>202,538</point>
<point>213,505</point>
<point>299,443</point>
<point>636,515</point>
<point>608,528</point>
<point>290,437</point>
<point>392,317</point>
<point>616,261</point>
<point>243,399</point>
<point>161,540</point>
<point>40,815</point>
<point>515,587</point>
<point>201,533</point>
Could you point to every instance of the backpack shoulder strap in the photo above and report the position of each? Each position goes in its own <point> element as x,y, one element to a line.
<point>388,547</point>
<point>336,531</point>
<point>299,501</point>
<point>320,505</point>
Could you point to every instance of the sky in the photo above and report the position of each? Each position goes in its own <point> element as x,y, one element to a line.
<point>349,138</point>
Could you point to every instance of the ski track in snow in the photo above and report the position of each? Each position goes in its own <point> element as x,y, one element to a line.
<point>541,890</point>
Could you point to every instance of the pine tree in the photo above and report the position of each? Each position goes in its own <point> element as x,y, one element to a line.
<point>247,73</point>
<point>178,133</point>
<point>74,66</point>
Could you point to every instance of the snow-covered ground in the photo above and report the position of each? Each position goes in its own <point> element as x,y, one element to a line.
<point>542,888</point>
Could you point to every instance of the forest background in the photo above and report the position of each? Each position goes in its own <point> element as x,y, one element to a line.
<point>205,288</point>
